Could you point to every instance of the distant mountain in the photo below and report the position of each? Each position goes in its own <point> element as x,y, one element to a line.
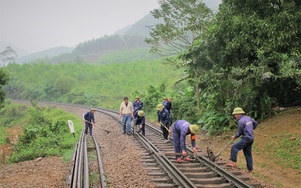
<point>52,52</point>
<point>20,52</point>
<point>140,27</point>
<point>123,30</point>
<point>117,47</point>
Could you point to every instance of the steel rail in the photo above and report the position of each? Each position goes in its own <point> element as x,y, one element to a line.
<point>80,161</point>
<point>177,176</point>
<point>80,157</point>
<point>100,164</point>
<point>86,164</point>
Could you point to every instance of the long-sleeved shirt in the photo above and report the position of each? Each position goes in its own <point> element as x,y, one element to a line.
<point>246,125</point>
<point>168,106</point>
<point>163,116</point>
<point>126,109</point>
<point>137,105</point>
<point>89,116</point>
<point>140,120</point>
<point>182,127</point>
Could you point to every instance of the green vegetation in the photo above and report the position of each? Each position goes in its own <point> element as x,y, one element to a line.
<point>284,147</point>
<point>101,86</point>
<point>46,131</point>
<point>288,151</point>
<point>3,81</point>
<point>2,135</point>
<point>247,55</point>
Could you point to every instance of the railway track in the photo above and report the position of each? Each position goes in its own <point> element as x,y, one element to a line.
<point>159,161</point>
<point>166,172</point>
<point>87,149</point>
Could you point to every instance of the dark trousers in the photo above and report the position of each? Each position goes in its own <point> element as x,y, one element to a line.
<point>176,142</point>
<point>88,126</point>
<point>246,146</point>
<point>142,129</point>
<point>165,132</point>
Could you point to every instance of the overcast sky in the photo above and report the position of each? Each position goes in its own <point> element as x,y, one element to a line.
<point>36,25</point>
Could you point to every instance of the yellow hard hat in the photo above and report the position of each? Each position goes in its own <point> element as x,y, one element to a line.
<point>194,128</point>
<point>141,113</point>
<point>238,110</point>
<point>137,97</point>
<point>92,109</point>
<point>160,106</point>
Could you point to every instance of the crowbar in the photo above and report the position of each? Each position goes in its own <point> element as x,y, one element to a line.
<point>212,157</point>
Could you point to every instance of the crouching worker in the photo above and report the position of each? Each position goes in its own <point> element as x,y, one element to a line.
<point>140,122</point>
<point>180,129</point>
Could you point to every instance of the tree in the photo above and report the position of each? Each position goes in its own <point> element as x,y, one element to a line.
<point>182,23</point>
<point>3,80</point>
<point>8,56</point>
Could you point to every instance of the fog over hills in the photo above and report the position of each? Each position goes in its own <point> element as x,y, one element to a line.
<point>139,28</point>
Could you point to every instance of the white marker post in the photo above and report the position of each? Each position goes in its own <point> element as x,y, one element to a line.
<point>71,127</point>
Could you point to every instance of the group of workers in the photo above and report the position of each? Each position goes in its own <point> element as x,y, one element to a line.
<point>181,128</point>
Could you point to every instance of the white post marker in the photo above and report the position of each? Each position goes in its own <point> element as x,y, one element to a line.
<point>71,127</point>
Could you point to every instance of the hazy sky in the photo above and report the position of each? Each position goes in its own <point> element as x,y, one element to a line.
<point>36,25</point>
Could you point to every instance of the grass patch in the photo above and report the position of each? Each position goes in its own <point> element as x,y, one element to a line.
<point>45,133</point>
<point>2,135</point>
<point>288,151</point>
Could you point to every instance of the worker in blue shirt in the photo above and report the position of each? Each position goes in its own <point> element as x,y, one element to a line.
<point>163,119</point>
<point>180,129</point>
<point>141,122</point>
<point>137,105</point>
<point>246,125</point>
<point>89,121</point>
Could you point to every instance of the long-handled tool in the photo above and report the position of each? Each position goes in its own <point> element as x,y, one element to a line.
<point>165,127</point>
<point>211,155</point>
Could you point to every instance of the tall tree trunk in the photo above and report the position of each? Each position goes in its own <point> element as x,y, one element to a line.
<point>197,90</point>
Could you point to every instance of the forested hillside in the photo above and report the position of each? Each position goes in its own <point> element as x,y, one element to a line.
<point>98,86</point>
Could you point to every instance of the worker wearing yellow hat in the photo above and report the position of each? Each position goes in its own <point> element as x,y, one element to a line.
<point>163,119</point>
<point>180,129</point>
<point>246,125</point>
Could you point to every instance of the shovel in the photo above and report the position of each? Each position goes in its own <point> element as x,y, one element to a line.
<point>211,155</point>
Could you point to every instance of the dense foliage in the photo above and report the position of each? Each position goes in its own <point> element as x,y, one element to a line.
<point>3,81</point>
<point>247,56</point>
<point>46,131</point>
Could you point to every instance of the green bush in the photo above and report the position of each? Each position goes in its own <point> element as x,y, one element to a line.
<point>46,134</point>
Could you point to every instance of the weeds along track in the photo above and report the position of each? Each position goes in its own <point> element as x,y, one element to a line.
<point>158,159</point>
